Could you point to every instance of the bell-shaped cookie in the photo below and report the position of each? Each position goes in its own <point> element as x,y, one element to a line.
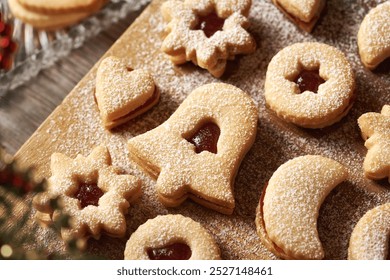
<point>196,153</point>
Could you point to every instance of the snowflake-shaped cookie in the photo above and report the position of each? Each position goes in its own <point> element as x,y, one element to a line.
<point>207,32</point>
<point>93,194</point>
<point>375,128</point>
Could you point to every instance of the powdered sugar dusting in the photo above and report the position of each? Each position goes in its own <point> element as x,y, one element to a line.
<point>79,128</point>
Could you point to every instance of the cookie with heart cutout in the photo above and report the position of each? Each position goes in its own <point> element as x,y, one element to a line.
<point>171,237</point>
<point>123,93</point>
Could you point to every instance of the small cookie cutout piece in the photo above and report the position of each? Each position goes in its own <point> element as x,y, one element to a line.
<point>93,193</point>
<point>123,93</point>
<point>171,237</point>
<point>310,84</point>
<point>371,235</point>
<point>196,153</point>
<point>208,32</point>
<point>286,217</point>
<point>374,36</point>
<point>304,13</point>
<point>375,129</point>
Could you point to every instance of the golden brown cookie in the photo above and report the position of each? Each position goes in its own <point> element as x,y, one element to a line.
<point>60,6</point>
<point>49,21</point>
<point>123,93</point>
<point>310,84</point>
<point>93,193</point>
<point>371,235</point>
<point>304,13</point>
<point>286,217</point>
<point>196,153</point>
<point>374,36</point>
<point>171,237</point>
<point>208,33</point>
<point>375,129</point>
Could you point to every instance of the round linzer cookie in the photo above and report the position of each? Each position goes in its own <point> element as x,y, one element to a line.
<point>304,13</point>
<point>374,36</point>
<point>171,237</point>
<point>93,193</point>
<point>310,84</point>
<point>371,235</point>
<point>208,33</point>
<point>286,217</point>
<point>196,153</point>
<point>49,21</point>
<point>61,6</point>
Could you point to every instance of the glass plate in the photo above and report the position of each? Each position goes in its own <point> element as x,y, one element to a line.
<point>40,49</point>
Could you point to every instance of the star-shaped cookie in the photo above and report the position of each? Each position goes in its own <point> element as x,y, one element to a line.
<point>93,193</point>
<point>208,33</point>
<point>375,130</point>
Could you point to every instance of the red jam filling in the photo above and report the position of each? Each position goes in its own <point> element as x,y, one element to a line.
<point>210,24</point>
<point>175,251</point>
<point>88,194</point>
<point>309,80</point>
<point>206,138</point>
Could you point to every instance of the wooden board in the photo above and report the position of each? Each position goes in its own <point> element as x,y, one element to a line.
<point>75,127</point>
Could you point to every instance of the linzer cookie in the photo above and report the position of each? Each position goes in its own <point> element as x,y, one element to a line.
<point>123,93</point>
<point>286,217</point>
<point>370,237</point>
<point>93,193</point>
<point>375,129</point>
<point>171,237</point>
<point>304,13</point>
<point>208,33</point>
<point>47,15</point>
<point>196,153</point>
<point>374,36</point>
<point>310,84</point>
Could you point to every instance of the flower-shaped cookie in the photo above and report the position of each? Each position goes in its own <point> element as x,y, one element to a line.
<point>207,32</point>
<point>93,194</point>
<point>375,130</point>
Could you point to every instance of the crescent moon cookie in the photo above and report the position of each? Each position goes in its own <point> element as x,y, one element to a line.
<point>371,235</point>
<point>93,193</point>
<point>122,93</point>
<point>375,129</point>
<point>208,32</point>
<point>196,153</point>
<point>286,217</point>
<point>310,84</point>
<point>304,13</point>
<point>374,36</point>
<point>171,237</point>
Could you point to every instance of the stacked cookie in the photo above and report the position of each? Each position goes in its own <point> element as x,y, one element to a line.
<point>52,15</point>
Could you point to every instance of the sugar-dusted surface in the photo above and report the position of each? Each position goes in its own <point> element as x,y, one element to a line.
<point>75,127</point>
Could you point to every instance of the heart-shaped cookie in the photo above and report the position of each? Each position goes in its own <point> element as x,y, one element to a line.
<point>122,93</point>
